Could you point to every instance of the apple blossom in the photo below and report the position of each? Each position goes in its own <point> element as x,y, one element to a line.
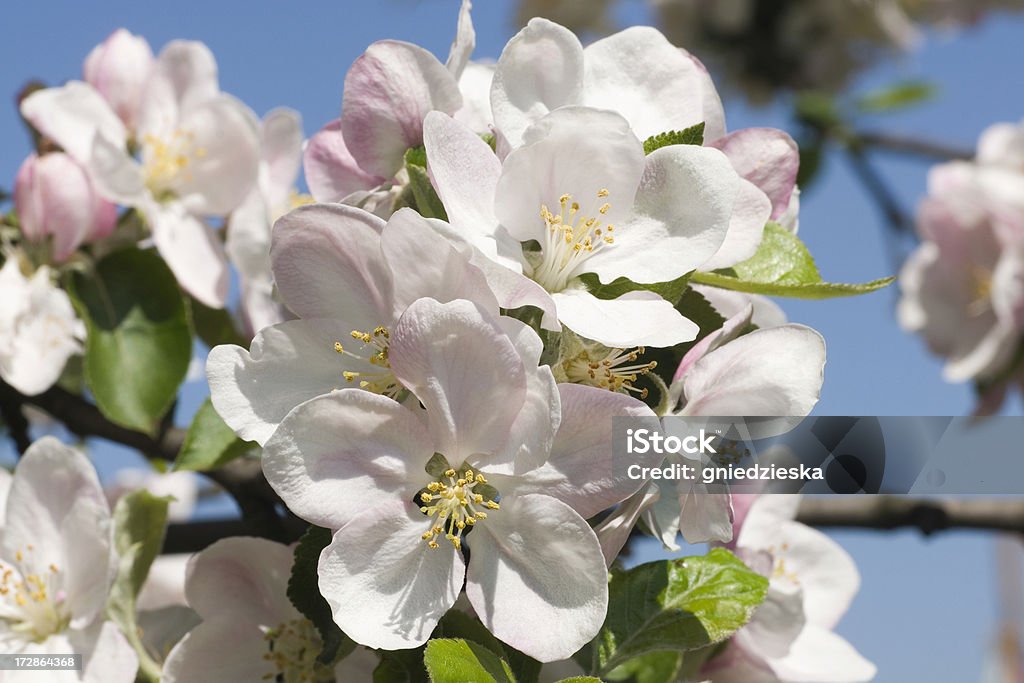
<point>249,630</point>
<point>55,199</point>
<point>364,465</point>
<point>811,583</point>
<point>198,156</point>
<point>38,328</point>
<point>581,188</point>
<point>58,563</point>
<point>119,68</point>
<point>348,275</point>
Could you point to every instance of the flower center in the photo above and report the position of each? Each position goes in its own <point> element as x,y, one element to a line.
<point>612,369</point>
<point>292,648</point>
<point>166,160</point>
<point>376,343</point>
<point>981,291</point>
<point>454,505</point>
<point>572,237</point>
<point>33,602</point>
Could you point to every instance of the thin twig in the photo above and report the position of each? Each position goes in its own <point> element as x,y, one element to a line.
<point>926,515</point>
<point>928,149</point>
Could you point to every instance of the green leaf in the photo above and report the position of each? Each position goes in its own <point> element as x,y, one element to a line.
<point>694,135</point>
<point>459,661</point>
<point>669,291</point>
<point>209,443</point>
<point>428,204</point>
<point>581,679</point>
<point>782,266</point>
<point>898,96</point>
<point>456,624</point>
<point>304,593</point>
<point>817,109</point>
<point>140,520</point>
<point>215,326</point>
<point>676,605</point>
<point>138,342</point>
<point>653,667</point>
<point>401,666</point>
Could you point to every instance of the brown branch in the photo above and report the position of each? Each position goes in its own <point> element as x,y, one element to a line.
<point>924,514</point>
<point>928,149</point>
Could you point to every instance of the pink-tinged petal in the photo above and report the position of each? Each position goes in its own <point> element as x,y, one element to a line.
<point>119,69</point>
<point>331,172</point>
<point>586,470</point>
<point>465,172</point>
<point>337,455</point>
<point>641,75</point>
<point>767,157</point>
<point>680,218</point>
<point>464,43</point>
<point>589,154</point>
<point>540,70</point>
<point>244,577</point>
<point>388,91</point>
<point>711,103</point>
<point>281,152</point>
<point>287,364</point>
<point>425,264</point>
<point>614,530</point>
<point>224,156</point>
<point>746,227</point>
<point>55,198</point>
<point>638,318</point>
<point>729,330</point>
<point>193,252</point>
<point>386,587</point>
<point>183,78</point>
<point>1008,287</point>
<point>773,372</point>
<point>461,365</point>
<point>328,263</point>
<point>72,115</point>
<point>822,656</point>
<point>537,577</point>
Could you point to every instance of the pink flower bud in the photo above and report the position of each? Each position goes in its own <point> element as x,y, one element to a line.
<point>119,68</point>
<point>54,197</point>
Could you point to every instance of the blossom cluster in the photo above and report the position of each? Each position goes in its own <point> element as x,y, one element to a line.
<point>492,262</point>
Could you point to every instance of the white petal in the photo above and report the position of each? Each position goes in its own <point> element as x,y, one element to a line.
<point>117,175</point>
<point>337,455</point>
<point>821,656</point>
<point>746,227</point>
<point>184,77</point>
<point>537,577</point>
<point>72,116</point>
<point>193,252</point>
<point>680,218</point>
<point>222,648</point>
<point>465,41</point>
<point>703,517</point>
<point>615,529</point>
<point>281,150</point>
<point>540,70</point>
<point>475,86</point>
<point>386,588</point>
<point>639,318</point>
<point>767,313</point>
<point>109,658</point>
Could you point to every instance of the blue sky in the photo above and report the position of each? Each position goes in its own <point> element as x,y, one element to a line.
<point>927,607</point>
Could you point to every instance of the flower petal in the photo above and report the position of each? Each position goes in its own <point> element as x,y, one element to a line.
<point>680,218</point>
<point>465,41</point>
<point>193,252</point>
<point>72,115</point>
<point>820,655</point>
<point>119,68</point>
<point>767,157</point>
<point>328,264</point>
<point>615,529</point>
<point>183,78</point>
<point>287,364</point>
<point>638,318</point>
<point>331,172</point>
<point>117,175</point>
<point>537,578</point>
<point>462,366</point>
<point>746,227</point>
<point>281,152</point>
<point>391,592</point>
<point>337,455</point>
<point>109,658</point>
<point>388,91</point>
<point>221,649</point>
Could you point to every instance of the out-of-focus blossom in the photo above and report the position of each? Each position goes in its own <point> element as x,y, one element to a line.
<point>812,581</point>
<point>58,563</point>
<point>249,226</point>
<point>55,199</point>
<point>250,631</point>
<point>963,289</point>
<point>119,68</point>
<point>198,156</point>
<point>349,276</point>
<point>38,328</point>
<point>183,487</point>
<point>535,576</point>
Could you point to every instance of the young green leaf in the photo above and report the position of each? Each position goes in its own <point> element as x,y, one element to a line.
<point>676,605</point>
<point>458,661</point>
<point>653,667</point>
<point>694,135</point>
<point>898,96</point>
<point>428,204</point>
<point>138,342</point>
<point>209,443</point>
<point>456,624</point>
<point>304,593</point>
<point>669,291</point>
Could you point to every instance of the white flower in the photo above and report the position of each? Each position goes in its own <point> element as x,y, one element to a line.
<point>811,583</point>
<point>581,188</point>
<point>348,276</point>
<point>182,487</point>
<point>357,462</point>
<point>38,328</point>
<point>57,563</point>
<point>199,152</point>
<point>250,631</point>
